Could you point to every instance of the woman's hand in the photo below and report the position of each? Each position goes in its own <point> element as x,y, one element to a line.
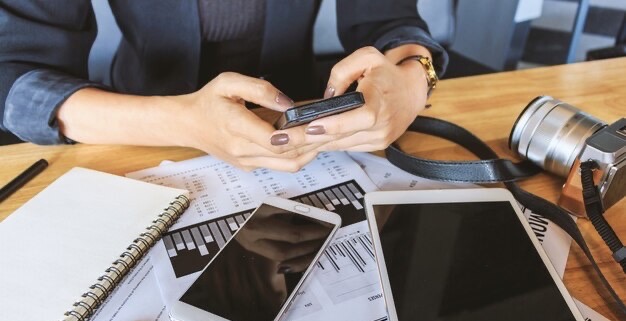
<point>219,123</point>
<point>394,95</point>
<point>213,119</point>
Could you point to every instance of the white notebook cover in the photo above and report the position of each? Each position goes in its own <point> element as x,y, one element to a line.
<point>57,244</point>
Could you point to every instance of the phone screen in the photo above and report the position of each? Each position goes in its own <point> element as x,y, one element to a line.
<point>258,270</point>
<point>465,261</point>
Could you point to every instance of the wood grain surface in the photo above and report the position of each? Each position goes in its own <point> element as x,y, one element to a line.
<point>486,105</point>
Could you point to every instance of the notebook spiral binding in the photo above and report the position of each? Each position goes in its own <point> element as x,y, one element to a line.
<point>98,292</point>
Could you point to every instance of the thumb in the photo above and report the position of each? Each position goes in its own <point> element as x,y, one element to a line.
<point>351,69</point>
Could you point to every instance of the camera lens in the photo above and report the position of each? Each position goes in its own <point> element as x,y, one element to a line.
<point>551,133</point>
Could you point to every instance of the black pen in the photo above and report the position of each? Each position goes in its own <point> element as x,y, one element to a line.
<point>22,178</point>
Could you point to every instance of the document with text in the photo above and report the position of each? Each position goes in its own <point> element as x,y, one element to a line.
<point>223,196</point>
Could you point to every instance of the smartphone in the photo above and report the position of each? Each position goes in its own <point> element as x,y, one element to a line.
<point>255,276</point>
<point>307,113</point>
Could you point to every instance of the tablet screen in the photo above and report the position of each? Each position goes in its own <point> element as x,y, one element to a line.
<point>465,261</point>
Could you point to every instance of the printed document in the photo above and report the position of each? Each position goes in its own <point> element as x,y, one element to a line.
<point>222,197</point>
<point>224,194</point>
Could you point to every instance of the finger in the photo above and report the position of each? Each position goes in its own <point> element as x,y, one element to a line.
<point>295,140</point>
<point>281,162</point>
<point>248,126</point>
<point>351,68</point>
<point>258,132</point>
<point>298,137</point>
<point>242,122</point>
<point>258,91</point>
<point>347,123</point>
<point>360,141</point>
<point>362,148</point>
<point>278,162</point>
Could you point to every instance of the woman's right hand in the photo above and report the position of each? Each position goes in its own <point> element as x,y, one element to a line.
<point>217,122</point>
<point>213,119</point>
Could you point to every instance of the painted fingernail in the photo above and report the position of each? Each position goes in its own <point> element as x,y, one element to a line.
<point>330,92</point>
<point>279,139</point>
<point>282,269</point>
<point>315,130</point>
<point>283,100</point>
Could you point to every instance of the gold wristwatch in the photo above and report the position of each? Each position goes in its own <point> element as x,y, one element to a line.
<point>431,75</point>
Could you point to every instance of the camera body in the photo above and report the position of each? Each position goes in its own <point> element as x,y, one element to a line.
<point>607,148</point>
<point>557,137</point>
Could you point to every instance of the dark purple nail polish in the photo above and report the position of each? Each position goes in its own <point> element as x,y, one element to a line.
<point>279,139</point>
<point>315,130</point>
<point>330,92</point>
<point>283,100</point>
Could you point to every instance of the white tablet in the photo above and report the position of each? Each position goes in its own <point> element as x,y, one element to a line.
<point>462,255</point>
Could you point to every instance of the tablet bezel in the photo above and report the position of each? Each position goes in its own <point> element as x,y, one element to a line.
<point>471,195</point>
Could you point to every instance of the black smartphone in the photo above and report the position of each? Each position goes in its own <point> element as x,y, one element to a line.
<point>309,112</point>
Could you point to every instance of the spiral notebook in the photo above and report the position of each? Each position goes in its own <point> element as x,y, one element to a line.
<point>66,249</point>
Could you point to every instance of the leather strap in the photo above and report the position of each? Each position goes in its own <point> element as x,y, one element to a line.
<point>491,169</point>
<point>595,212</point>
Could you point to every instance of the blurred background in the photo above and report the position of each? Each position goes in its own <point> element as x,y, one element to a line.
<point>485,36</point>
<point>543,32</point>
<point>482,36</point>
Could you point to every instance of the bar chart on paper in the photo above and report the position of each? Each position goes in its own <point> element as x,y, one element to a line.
<point>346,276</point>
<point>348,267</point>
<point>192,247</point>
<point>346,279</point>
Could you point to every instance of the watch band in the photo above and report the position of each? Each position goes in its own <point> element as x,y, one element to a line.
<point>431,75</point>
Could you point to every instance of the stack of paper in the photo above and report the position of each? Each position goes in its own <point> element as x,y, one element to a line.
<point>222,195</point>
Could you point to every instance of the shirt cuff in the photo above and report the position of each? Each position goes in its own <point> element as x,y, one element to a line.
<point>32,103</point>
<point>415,35</point>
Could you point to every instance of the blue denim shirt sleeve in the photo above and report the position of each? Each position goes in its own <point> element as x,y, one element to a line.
<point>415,35</point>
<point>32,103</point>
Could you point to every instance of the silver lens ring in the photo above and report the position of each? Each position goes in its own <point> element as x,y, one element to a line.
<point>520,125</point>
<point>551,134</point>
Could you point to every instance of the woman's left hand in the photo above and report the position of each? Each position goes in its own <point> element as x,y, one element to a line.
<point>394,96</point>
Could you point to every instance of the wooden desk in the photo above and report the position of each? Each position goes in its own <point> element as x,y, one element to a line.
<point>486,105</point>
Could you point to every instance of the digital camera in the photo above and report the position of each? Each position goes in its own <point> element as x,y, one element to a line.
<point>557,137</point>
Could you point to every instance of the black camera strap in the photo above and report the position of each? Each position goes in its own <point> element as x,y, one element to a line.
<point>490,169</point>
<point>595,211</point>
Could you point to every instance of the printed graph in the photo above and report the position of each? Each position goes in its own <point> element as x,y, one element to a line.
<point>192,247</point>
<point>348,268</point>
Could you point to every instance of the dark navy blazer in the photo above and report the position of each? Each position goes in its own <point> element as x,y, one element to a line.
<point>45,44</point>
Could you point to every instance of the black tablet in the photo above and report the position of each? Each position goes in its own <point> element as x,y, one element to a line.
<point>463,255</point>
